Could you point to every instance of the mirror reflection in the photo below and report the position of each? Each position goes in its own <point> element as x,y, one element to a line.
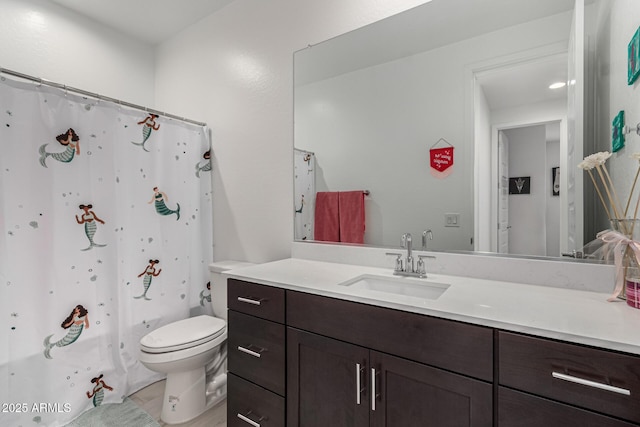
<point>434,114</point>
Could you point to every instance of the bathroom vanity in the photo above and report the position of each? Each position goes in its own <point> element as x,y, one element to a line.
<point>308,349</point>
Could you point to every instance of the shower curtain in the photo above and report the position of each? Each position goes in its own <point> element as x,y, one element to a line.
<point>105,235</point>
<point>304,165</point>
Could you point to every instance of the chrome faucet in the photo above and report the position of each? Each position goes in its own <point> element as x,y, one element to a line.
<point>407,268</point>
<point>407,243</point>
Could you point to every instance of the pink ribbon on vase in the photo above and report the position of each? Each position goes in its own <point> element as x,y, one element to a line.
<point>620,242</point>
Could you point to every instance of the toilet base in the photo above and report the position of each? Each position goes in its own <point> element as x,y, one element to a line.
<point>186,395</point>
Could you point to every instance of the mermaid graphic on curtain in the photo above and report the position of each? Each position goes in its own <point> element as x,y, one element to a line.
<point>159,199</point>
<point>90,283</point>
<point>89,219</point>
<point>75,324</point>
<point>98,390</point>
<point>148,124</point>
<point>70,140</point>
<point>204,166</point>
<point>149,273</point>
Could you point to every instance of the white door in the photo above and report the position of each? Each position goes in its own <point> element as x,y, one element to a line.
<point>503,193</point>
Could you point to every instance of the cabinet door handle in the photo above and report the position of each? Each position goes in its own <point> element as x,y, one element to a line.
<point>248,420</point>
<point>250,300</point>
<point>589,383</point>
<point>251,352</point>
<point>373,389</point>
<point>359,388</point>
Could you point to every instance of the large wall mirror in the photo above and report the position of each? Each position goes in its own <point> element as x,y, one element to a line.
<point>471,76</point>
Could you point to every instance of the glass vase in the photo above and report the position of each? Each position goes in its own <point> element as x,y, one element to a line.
<point>632,287</point>
<point>630,291</point>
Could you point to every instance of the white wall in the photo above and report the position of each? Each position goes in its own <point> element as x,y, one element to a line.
<point>234,70</point>
<point>44,40</point>
<point>373,128</point>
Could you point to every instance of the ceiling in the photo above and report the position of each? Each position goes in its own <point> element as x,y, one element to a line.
<point>525,83</point>
<point>150,21</point>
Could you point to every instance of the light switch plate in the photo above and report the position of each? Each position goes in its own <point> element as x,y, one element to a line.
<point>452,220</point>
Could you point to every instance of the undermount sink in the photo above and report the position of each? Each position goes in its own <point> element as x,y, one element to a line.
<point>416,288</point>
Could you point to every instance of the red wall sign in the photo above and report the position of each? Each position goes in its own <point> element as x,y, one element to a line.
<point>441,161</point>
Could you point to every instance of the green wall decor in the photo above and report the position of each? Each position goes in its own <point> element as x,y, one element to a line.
<point>617,132</point>
<point>633,58</point>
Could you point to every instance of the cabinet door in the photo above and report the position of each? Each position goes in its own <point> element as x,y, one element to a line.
<point>412,394</point>
<point>326,382</point>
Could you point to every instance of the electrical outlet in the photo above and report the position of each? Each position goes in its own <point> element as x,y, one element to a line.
<point>452,220</point>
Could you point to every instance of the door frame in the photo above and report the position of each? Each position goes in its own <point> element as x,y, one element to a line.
<point>483,214</point>
<point>495,129</point>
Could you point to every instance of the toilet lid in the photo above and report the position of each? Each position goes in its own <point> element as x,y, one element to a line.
<point>183,334</point>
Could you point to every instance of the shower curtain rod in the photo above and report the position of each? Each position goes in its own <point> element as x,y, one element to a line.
<point>97,96</point>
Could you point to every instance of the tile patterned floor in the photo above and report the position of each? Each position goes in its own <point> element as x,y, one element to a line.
<point>150,399</point>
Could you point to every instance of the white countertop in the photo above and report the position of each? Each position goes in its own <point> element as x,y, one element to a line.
<point>577,316</point>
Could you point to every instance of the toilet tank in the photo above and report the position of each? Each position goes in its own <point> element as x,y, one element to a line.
<point>219,285</point>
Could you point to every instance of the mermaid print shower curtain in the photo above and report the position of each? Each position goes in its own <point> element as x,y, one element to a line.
<point>105,235</point>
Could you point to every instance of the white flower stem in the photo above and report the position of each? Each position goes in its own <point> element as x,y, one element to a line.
<point>604,204</point>
<point>613,189</point>
<point>616,214</point>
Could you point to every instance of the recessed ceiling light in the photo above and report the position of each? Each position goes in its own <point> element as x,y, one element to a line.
<point>557,85</point>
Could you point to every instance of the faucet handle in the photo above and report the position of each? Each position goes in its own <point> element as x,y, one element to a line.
<point>420,268</point>
<point>398,260</point>
<point>426,233</point>
<point>406,239</point>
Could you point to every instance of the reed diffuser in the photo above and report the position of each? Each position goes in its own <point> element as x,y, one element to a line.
<point>621,241</point>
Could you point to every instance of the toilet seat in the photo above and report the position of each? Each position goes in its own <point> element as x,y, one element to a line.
<point>183,334</point>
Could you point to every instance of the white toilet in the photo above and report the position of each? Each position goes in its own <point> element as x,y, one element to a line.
<point>192,352</point>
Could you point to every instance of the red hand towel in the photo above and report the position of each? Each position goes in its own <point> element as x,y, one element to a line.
<point>327,223</point>
<point>351,207</point>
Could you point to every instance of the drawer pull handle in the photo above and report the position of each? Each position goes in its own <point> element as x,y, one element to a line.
<point>588,383</point>
<point>251,352</point>
<point>248,420</point>
<point>250,300</point>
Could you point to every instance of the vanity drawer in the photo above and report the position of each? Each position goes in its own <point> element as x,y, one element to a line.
<point>248,403</point>
<point>455,346</point>
<point>258,300</point>
<point>518,409</point>
<point>257,351</point>
<point>600,380</point>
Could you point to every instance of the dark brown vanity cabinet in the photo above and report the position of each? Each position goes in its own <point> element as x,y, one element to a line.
<point>545,382</point>
<point>347,365</point>
<point>303,360</point>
